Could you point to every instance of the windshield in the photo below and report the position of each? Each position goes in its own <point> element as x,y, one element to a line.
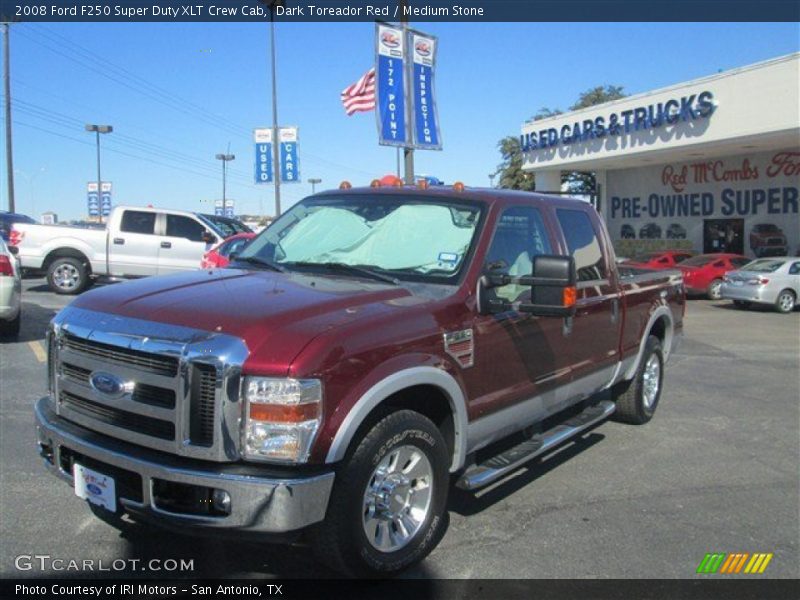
<point>227,227</point>
<point>763,266</point>
<point>698,261</point>
<point>412,238</point>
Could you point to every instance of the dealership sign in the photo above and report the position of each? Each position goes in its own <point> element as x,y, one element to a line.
<point>98,204</point>
<point>640,118</point>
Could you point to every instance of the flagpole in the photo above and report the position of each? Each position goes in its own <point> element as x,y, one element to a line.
<point>408,149</point>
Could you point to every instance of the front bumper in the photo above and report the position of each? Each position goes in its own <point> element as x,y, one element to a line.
<point>259,504</point>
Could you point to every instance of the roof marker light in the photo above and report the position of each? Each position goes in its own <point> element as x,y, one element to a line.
<point>375,183</point>
<point>458,186</point>
<point>422,184</point>
<point>345,185</point>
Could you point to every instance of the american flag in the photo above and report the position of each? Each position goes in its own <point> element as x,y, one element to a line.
<point>360,97</point>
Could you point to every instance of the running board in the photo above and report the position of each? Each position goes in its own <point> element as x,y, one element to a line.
<point>478,476</point>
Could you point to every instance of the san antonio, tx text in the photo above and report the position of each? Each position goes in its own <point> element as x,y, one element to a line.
<point>142,589</point>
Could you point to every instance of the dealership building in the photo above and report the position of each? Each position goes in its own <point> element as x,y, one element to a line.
<point>711,165</point>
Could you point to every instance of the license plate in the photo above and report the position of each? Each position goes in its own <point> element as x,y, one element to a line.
<point>95,487</point>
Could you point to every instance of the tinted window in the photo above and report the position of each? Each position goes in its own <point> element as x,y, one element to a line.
<point>520,235</point>
<point>134,221</point>
<point>795,269</point>
<point>184,227</point>
<point>766,265</point>
<point>681,257</point>
<point>582,243</point>
<point>698,261</point>
<point>739,262</point>
<point>233,246</point>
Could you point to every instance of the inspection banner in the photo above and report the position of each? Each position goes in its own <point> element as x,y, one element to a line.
<point>426,118</point>
<point>390,80</point>
<point>105,198</point>
<point>263,139</point>
<point>92,199</point>
<point>290,168</point>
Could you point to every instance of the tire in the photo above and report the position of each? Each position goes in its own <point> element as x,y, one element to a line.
<point>741,304</point>
<point>714,292</point>
<point>10,329</point>
<point>636,400</point>
<point>348,539</point>
<point>68,276</point>
<point>785,302</point>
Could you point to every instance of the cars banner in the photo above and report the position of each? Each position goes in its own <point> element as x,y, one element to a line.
<point>290,168</point>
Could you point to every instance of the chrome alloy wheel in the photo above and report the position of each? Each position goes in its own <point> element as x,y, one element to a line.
<point>650,380</point>
<point>786,302</point>
<point>715,291</point>
<point>66,276</point>
<point>397,499</point>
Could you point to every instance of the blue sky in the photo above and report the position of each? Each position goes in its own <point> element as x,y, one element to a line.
<point>178,93</point>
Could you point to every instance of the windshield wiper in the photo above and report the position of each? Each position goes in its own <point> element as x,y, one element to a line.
<point>356,269</point>
<point>262,262</point>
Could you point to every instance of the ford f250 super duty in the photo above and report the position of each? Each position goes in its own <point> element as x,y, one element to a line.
<point>136,242</point>
<point>361,356</point>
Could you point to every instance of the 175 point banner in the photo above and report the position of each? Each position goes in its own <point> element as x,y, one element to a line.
<point>426,118</point>
<point>390,81</point>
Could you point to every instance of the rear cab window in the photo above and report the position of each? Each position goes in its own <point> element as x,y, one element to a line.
<point>136,221</point>
<point>583,244</point>
<point>184,227</point>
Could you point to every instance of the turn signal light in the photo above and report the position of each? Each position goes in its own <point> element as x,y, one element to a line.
<point>570,296</point>
<point>458,186</point>
<point>284,413</point>
<point>345,185</point>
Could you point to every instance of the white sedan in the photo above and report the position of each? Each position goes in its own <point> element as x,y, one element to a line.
<point>773,281</point>
<point>10,292</point>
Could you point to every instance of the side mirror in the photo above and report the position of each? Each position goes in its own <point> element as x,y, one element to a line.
<point>553,289</point>
<point>208,237</point>
<point>13,250</point>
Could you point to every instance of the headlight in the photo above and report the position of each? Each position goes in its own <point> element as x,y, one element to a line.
<point>282,417</point>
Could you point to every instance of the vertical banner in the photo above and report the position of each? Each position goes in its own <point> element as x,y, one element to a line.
<point>390,80</point>
<point>92,199</point>
<point>219,208</point>
<point>105,198</point>
<point>290,169</point>
<point>426,119</point>
<point>229,208</point>
<point>263,140</point>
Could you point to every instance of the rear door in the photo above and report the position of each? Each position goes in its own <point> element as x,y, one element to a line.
<point>181,247</point>
<point>594,332</point>
<point>133,246</point>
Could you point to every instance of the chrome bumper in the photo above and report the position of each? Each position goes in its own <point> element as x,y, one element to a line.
<point>258,504</point>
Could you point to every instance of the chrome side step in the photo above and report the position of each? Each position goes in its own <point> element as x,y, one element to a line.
<point>478,476</point>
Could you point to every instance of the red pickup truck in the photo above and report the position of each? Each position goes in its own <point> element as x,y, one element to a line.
<point>359,357</point>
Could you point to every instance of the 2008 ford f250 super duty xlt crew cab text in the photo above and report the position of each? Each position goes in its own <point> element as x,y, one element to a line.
<point>360,357</point>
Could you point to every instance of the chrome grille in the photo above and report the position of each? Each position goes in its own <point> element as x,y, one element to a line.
<point>204,386</point>
<point>145,361</point>
<point>148,394</point>
<point>119,418</point>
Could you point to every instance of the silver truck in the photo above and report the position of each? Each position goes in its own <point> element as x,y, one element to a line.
<point>137,242</point>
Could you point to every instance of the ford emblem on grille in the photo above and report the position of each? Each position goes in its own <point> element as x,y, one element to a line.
<point>109,384</point>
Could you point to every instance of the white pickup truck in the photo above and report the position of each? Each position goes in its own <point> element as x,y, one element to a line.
<point>137,242</point>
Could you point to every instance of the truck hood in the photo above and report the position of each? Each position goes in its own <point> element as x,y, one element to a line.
<point>276,314</point>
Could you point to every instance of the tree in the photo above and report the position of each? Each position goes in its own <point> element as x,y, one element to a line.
<point>580,182</point>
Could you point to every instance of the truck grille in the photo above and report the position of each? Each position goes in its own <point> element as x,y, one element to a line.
<point>775,241</point>
<point>147,394</point>
<point>144,361</point>
<point>204,385</point>
<point>118,418</point>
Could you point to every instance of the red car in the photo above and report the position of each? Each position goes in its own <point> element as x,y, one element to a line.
<point>702,274</point>
<point>217,257</point>
<point>665,259</point>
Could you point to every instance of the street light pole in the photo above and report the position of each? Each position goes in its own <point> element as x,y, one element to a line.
<point>491,179</point>
<point>275,140</point>
<point>314,181</point>
<point>98,129</point>
<point>7,89</point>
<point>224,158</point>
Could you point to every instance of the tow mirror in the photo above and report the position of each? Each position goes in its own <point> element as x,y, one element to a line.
<point>208,237</point>
<point>553,290</point>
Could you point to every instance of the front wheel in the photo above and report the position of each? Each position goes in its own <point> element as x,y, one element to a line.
<point>785,302</point>
<point>637,399</point>
<point>715,290</point>
<point>386,510</point>
<point>67,275</point>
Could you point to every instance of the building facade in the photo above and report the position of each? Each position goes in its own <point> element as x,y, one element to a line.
<point>711,165</point>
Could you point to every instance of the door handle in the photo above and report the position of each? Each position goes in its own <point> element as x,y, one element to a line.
<point>119,241</point>
<point>166,244</point>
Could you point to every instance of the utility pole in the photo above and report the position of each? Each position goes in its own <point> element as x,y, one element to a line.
<point>7,88</point>
<point>491,179</point>
<point>224,158</point>
<point>98,129</point>
<point>408,150</point>
<point>314,181</point>
<point>275,141</point>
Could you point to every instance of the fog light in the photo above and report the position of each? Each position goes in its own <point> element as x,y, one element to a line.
<point>221,501</point>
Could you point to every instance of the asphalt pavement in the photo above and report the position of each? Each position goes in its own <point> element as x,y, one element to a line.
<point>716,470</point>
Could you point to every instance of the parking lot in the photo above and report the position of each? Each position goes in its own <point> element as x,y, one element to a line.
<point>715,471</point>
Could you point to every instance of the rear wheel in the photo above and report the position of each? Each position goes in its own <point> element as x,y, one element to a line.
<point>386,510</point>
<point>785,302</point>
<point>638,398</point>
<point>67,275</point>
<point>743,304</point>
<point>715,290</point>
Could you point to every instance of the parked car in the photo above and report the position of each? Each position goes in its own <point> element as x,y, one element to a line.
<point>627,232</point>
<point>7,219</point>
<point>217,257</point>
<point>651,231</point>
<point>228,226</point>
<point>702,274</point>
<point>767,239</point>
<point>10,292</point>
<point>136,242</point>
<point>676,231</point>
<point>351,363</point>
<point>774,281</point>
<point>665,259</point>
